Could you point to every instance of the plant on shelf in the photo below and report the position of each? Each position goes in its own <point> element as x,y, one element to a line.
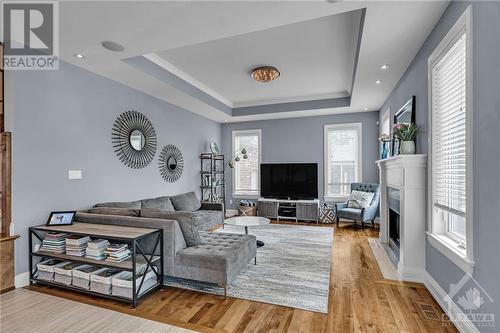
<point>406,134</point>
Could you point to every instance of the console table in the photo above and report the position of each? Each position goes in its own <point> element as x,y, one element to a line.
<point>304,210</point>
<point>128,235</point>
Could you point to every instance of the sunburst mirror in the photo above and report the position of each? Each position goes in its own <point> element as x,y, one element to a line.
<point>134,139</point>
<point>171,163</point>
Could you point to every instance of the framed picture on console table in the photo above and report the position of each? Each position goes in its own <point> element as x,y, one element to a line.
<point>61,218</point>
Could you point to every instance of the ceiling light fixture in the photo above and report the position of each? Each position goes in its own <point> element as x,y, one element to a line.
<point>78,55</point>
<point>385,67</point>
<point>379,81</point>
<point>265,73</point>
<point>366,109</point>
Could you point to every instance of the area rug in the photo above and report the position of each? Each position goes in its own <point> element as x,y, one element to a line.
<point>293,268</point>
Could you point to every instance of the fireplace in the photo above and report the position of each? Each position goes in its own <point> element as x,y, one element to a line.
<point>393,198</point>
<point>402,213</point>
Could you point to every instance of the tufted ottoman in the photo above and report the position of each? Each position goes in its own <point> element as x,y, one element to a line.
<point>218,259</point>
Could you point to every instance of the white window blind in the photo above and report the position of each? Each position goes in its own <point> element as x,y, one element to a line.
<point>449,145</point>
<point>246,171</point>
<point>343,158</point>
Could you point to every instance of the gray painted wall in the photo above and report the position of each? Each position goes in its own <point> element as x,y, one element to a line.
<point>301,140</point>
<point>486,125</point>
<point>62,120</point>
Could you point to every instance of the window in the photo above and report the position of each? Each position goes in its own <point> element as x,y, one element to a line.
<point>450,158</point>
<point>246,171</point>
<point>385,125</point>
<point>342,158</point>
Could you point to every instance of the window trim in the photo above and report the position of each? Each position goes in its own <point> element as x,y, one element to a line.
<point>326,128</point>
<point>252,195</point>
<point>437,233</point>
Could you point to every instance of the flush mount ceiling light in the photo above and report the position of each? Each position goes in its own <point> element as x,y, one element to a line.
<point>385,67</point>
<point>78,55</point>
<point>265,73</point>
<point>112,46</point>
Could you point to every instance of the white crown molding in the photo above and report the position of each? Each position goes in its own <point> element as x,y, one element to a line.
<point>189,79</point>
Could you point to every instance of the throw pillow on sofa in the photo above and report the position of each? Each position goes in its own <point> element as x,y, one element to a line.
<point>360,199</point>
<point>127,204</point>
<point>114,211</point>
<point>185,219</point>
<point>188,202</point>
<point>162,203</point>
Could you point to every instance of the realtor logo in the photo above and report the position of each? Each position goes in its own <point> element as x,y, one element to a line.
<point>470,298</point>
<point>30,34</point>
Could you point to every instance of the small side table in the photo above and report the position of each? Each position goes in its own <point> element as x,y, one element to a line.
<point>248,221</point>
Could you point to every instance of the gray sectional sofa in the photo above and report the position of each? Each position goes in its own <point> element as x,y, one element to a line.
<point>190,251</point>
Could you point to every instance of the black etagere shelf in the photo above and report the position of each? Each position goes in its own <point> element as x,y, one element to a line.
<point>213,180</point>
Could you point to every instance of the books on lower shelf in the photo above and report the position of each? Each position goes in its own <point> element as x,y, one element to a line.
<point>117,252</point>
<point>54,242</point>
<point>95,249</point>
<point>76,245</point>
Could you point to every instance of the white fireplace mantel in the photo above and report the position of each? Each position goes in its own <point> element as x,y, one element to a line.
<point>407,173</point>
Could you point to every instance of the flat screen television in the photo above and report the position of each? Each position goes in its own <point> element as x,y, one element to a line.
<point>289,180</point>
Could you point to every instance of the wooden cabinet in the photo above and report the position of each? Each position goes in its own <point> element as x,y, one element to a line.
<point>6,240</point>
<point>307,211</point>
<point>268,209</point>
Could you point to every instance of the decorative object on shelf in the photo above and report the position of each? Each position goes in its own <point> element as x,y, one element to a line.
<point>265,74</point>
<point>214,148</point>
<point>236,157</point>
<point>406,135</point>
<point>171,163</point>
<point>213,187</point>
<point>134,139</point>
<point>61,218</point>
<point>385,140</point>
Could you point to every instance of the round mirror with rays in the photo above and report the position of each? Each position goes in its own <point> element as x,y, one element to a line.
<point>134,139</point>
<point>171,163</point>
<point>137,140</point>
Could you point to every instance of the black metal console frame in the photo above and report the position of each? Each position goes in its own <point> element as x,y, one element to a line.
<point>136,249</point>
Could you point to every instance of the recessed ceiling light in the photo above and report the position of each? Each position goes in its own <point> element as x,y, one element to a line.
<point>366,109</point>
<point>112,46</point>
<point>385,67</point>
<point>379,81</point>
<point>78,55</point>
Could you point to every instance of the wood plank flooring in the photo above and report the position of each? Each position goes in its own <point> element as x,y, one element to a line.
<point>25,311</point>
<point>360,301</point>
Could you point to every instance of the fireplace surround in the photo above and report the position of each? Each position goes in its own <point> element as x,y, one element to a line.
<point>403,213</point>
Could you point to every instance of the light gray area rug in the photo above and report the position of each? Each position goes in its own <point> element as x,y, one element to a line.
<point>293,268</point>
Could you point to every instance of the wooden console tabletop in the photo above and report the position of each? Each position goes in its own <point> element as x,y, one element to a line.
<point>99,230</point>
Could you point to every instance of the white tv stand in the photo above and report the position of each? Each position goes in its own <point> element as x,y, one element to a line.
<point>303,210</point>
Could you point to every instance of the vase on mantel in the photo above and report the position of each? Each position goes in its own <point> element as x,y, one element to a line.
<point>407,148</point>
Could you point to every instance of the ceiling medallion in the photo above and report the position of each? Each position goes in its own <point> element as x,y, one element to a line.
<point>265,73</point>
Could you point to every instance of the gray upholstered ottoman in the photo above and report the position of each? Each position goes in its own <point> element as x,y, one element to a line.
<point>218,259</point>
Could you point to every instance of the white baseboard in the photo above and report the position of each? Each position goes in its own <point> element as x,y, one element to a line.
<point>22,280</point>
<point>449,306</point>
<point>411,274</point>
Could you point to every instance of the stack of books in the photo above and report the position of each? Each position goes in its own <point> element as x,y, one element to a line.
<point>54,242</point>
<point>117,252</point>
<point>76,245</point>
<point>95,249</point>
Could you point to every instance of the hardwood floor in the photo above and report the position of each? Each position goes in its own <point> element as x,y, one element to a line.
<point>360,300</point>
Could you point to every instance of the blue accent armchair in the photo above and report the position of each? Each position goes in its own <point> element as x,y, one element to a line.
<point>364,214</point>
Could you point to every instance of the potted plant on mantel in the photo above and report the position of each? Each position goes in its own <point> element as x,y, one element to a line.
<point>406,134</point>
